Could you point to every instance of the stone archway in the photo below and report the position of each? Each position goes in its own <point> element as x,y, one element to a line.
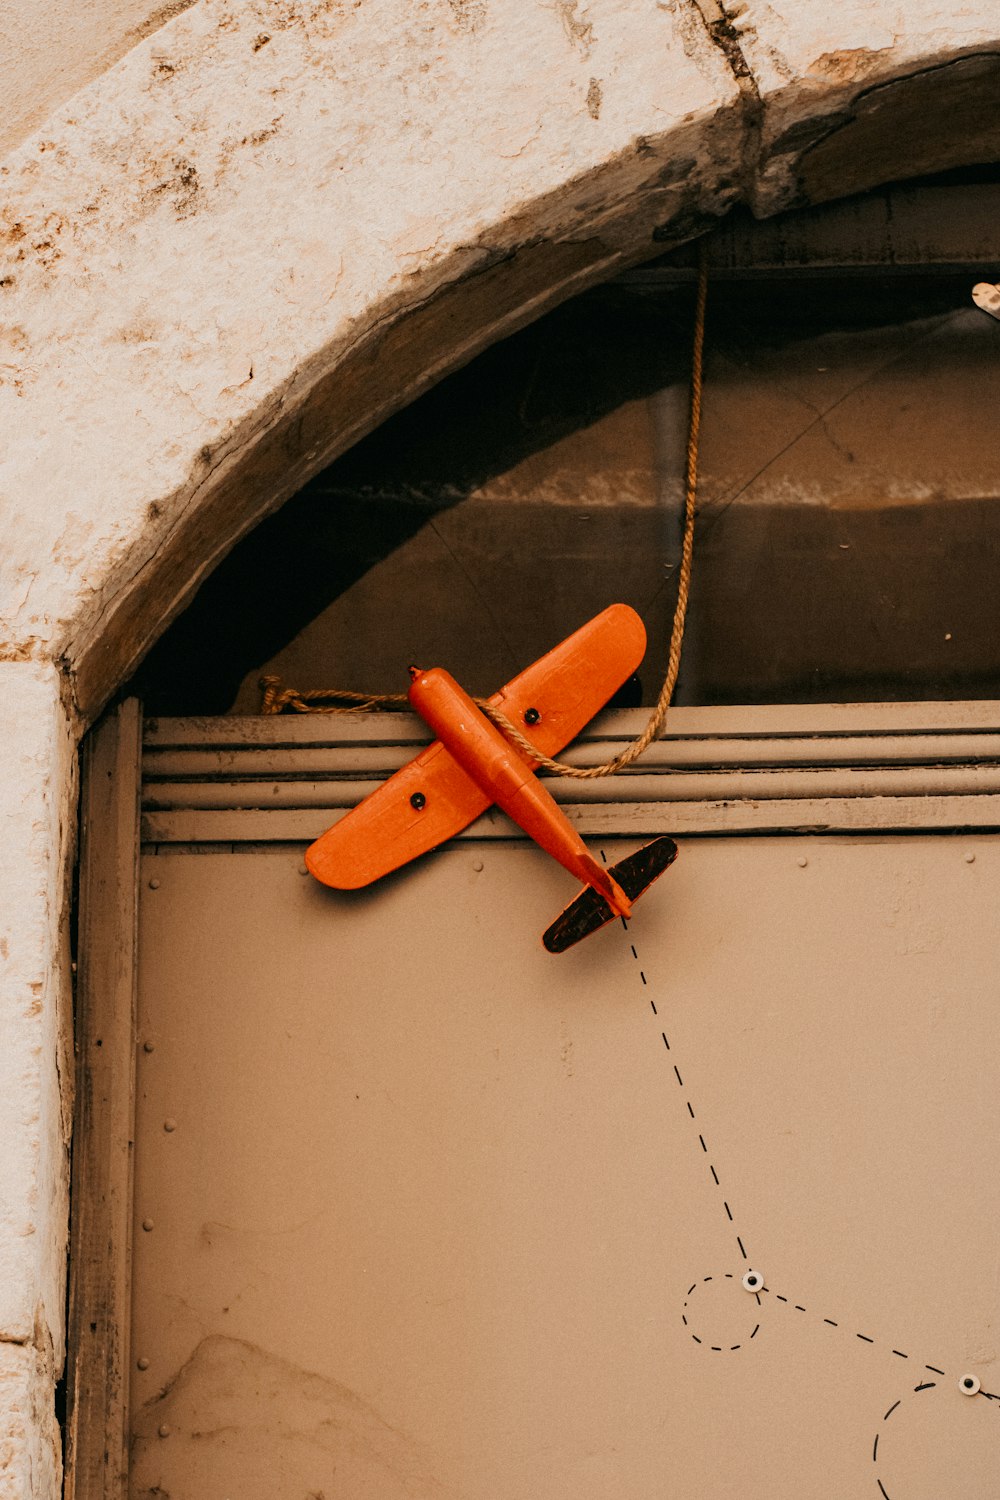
<point>265,228</point>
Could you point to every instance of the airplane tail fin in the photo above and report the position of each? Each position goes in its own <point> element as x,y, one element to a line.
<point>591,911</point>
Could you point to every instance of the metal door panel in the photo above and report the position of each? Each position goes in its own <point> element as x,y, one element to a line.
<point>434,1213</point>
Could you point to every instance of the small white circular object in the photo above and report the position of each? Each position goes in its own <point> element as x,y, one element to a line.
<point>753,1281</point>
<point>969,1385</point>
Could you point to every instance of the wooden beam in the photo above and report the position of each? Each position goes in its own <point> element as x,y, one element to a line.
<point>101,1205</point>
<point>894,231</point>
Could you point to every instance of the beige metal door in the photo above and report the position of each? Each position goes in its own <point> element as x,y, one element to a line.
<point>421,1210</point>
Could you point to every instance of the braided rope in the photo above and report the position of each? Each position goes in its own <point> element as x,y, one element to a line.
<point>277,698</point>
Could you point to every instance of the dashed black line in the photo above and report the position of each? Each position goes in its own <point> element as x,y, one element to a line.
<point>928,1385</point>
<point>677,1073</point>
<point>713,1348</point>
<point>864,1337</point>
<point>832,1323</point>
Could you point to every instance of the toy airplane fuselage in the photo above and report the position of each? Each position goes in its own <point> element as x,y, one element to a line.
<point>471,765</point>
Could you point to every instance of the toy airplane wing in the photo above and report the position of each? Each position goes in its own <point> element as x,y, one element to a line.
<point>433,798</point>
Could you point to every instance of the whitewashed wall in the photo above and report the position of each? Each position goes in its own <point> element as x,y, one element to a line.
<point>268,225</point>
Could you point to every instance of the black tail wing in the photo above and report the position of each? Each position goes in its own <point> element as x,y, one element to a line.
<point>590,911</point>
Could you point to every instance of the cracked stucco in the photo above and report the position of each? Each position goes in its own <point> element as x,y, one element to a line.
<point>261,230</point>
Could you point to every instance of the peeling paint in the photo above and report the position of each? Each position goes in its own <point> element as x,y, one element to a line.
<point>469,14</point>
<point>579,30</point>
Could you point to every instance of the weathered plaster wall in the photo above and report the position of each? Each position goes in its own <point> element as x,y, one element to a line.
<point>265,227</point>
<point>51,48</point>
<point>37,818</point>
<point>269,224</point>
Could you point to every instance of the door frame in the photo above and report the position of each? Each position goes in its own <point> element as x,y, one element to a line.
<point>100,1291</point>
<point>842,769</point>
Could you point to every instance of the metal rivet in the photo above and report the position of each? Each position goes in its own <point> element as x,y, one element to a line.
<point>970,859</point>
<point>477,865</point>
<point>303,870</point>
<point>969,1385</point>
<point>147,1225</point>
<point>154,884</point>
<point>169,1125</point>
<point>753,1281</point>
<point>142,1364</point>
<point>418,801</point>
<point>148,1046</point>
<point>532,716</point>
<point>163,1430</point>
<point>801,861</point>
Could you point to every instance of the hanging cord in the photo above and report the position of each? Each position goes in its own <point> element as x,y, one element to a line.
<point>277,698</point>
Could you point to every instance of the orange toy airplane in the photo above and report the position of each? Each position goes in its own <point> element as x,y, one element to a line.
<point>472,765</point>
